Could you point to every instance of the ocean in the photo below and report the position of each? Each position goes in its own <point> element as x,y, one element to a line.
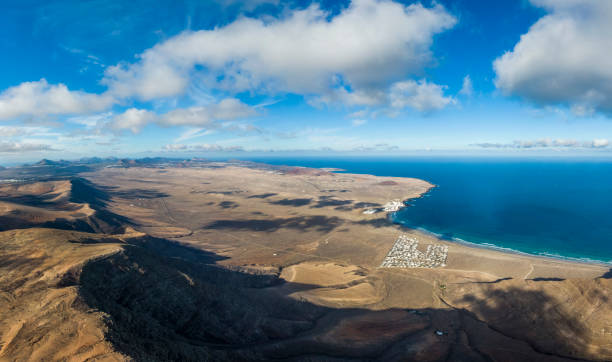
<point>552,207</point>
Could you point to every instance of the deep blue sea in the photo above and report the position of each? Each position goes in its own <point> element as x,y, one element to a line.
<point>554,207</point>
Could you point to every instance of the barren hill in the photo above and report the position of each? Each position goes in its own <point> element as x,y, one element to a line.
<point>65,204</point>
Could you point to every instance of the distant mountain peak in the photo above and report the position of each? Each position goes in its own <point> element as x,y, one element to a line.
<point>47,162</point>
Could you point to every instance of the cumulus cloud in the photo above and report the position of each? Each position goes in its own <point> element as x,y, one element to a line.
<point>564,58</point>
<point>205,117</point>
<point>359,114</point>
<point>40,99</point>
<point>376,147</point>
<point>420,95</point>
<point>359,122</point>
<point>599,143</point>
<point>204,147</point>
<point>16,147</point>
<point>21,131</point>
<point>467,89</point>
<point>133,119</point>
<point>91,121</point>
<point>226,110</point>
<point>360,56</point>
<point>352,57</point>
<point>548,143</point>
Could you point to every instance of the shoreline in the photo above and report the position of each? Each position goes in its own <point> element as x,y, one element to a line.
<point>509,251</point>
<point>492,246</point>
<point>470,244</point>
<point>474,245</point>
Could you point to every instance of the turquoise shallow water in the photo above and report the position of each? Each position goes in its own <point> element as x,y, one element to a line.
<point>553,207</point>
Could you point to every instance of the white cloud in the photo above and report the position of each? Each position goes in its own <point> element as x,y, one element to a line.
<point>467,89</point>
<point>600,143</point>
<point>548,143</point>
<point>16,147</point>
<point>365,48</point>
<point>91,121</point>
<point>376,147</point>
<point>420,95</point>
<point>175,147</point>
<point>40,99</point>
<point>22,131</point>
<point>133,119</point>
<point>352,57</point>
<point>359,122</point>
<point>564,58</point>
<point>226,110</point>
<point>193,133</point>
<point>204,117</point>
<point>205,147</point>
<point>217,148</point>
<point>359,114</point>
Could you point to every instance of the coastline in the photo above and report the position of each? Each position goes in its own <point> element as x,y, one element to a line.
<point>510,251</point>
<point>491,246</point>
<point>304,236</point>
<point>591,252</point>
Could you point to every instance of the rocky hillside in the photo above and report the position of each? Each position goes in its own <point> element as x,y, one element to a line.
<point>72,204</point>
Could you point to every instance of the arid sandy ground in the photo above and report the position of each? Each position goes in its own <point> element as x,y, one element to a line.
<point>307,228</point>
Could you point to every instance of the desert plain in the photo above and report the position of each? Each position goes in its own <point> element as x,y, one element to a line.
<point>243,261</point>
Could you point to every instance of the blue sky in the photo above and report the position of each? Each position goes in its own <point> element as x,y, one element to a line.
<point>116,78</point>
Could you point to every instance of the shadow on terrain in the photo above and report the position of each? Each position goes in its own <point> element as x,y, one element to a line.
<point>226,193</point>
<point>82,191</point>
<point>363,205</point>
<point>167,301</point>
<point>98,197</point>
<point>607,275</point>
<point>291,202</point>
<point>377,223</point>
<point>360,205</point>
<point>541,279</point>
<point>325,201</point>
<point>495,281</point>
<point>31,200</point>
<point>488,282</point>
<point>157,182</point>
<point>8,222</point>
<point>228,204</point>
<point>86,191</point>
<point>16,261</point>
<point>133,194</point>
<point>534,317</point>
<point>304,223</point>
<point>261,196</point>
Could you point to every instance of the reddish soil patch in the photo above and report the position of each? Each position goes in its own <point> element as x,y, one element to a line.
<point>307,171</point>
<point>388,183</point>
